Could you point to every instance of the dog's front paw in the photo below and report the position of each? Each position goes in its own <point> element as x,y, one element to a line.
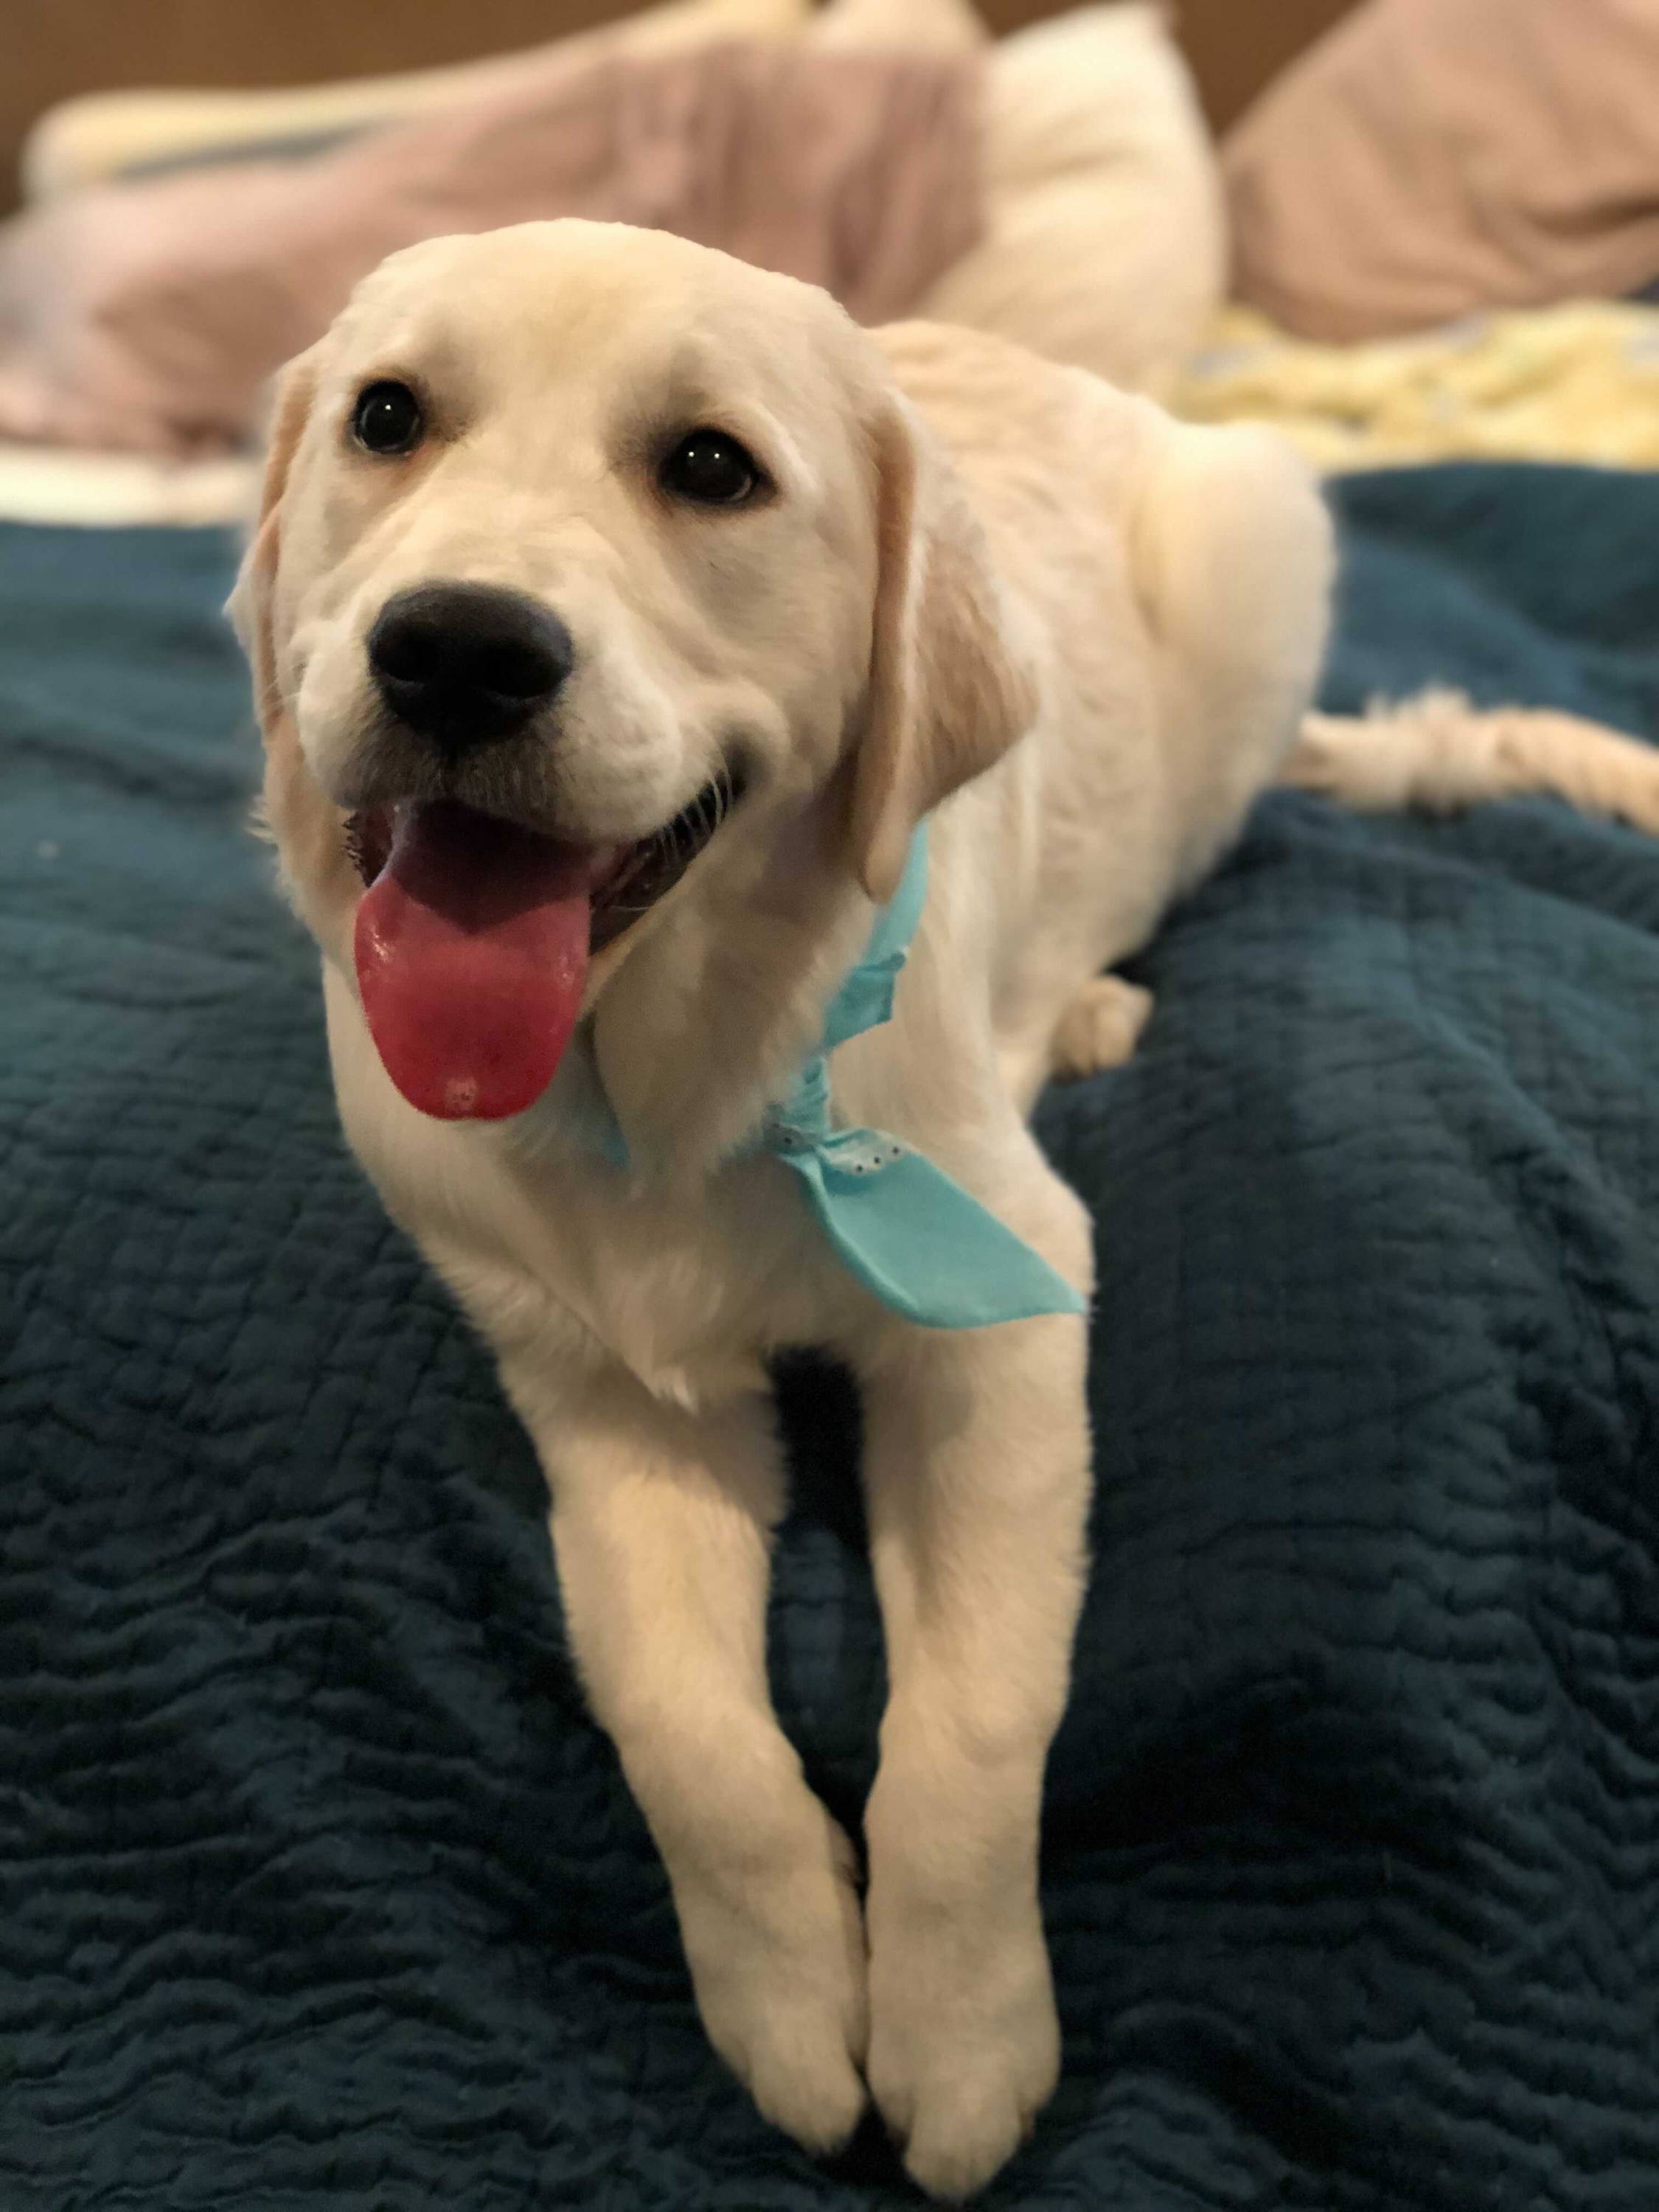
<point>965,2046</point>
<point>779,1967</point>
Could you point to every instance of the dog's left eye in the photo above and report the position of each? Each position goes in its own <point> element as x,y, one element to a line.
<point>387,418</point>
<point>711,469</point>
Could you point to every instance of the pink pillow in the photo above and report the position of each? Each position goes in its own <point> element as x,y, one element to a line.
<point>150,315</point>
<point>1429,158</point>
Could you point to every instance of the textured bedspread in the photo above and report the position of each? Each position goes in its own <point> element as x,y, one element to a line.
<point>317,1888</point>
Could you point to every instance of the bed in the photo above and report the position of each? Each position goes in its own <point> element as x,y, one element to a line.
<point>320,1887</point>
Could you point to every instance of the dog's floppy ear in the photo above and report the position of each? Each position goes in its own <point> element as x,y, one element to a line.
<point>950,690</point>
<point>316,868</point>
<point>249,604</point>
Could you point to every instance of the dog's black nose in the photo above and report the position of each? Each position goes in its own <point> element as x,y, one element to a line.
<point>464,663</point>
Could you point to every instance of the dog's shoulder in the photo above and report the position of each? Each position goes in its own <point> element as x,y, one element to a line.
<point>1000,411</point>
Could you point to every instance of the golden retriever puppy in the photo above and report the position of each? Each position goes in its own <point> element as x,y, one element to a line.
<point>620,616</point>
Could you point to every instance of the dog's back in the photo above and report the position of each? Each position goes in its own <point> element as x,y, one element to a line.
<point>1176,583</point>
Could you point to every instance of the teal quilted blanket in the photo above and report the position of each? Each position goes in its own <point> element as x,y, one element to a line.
<point>317,1887</point>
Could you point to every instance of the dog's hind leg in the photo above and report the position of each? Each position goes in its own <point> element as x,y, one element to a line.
<point>1101,1028</point>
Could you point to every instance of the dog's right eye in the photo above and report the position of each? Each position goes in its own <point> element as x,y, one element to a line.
<point>387,418</point>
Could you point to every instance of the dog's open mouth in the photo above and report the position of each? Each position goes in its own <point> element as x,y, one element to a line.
<point>473,936</point>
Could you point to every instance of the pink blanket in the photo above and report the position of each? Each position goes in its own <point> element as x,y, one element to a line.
<point>148,316</point>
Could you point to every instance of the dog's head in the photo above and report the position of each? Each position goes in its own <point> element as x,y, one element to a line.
<point>605,598</point>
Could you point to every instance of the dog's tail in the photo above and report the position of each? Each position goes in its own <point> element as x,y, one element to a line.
<point>1439,752</point>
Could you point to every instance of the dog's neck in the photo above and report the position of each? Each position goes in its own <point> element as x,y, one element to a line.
<point>714,1018</point>
<point>905,1230</point>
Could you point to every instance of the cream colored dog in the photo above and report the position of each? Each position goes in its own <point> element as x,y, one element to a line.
<point>617,612</point>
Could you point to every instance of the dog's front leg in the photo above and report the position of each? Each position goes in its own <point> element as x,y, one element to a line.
<point>662,1523</point>
<point>976,1463</point>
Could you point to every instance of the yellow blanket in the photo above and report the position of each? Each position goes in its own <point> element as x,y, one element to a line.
<point>1573,383</point>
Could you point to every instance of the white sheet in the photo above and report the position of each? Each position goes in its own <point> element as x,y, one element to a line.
<point>45,483</point>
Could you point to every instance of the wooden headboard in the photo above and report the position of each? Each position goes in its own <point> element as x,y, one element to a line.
<point>55,48</point>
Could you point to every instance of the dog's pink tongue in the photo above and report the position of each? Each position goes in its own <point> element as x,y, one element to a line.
<point>471,952</point>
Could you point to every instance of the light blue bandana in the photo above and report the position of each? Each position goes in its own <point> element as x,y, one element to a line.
<point>907,1232</point>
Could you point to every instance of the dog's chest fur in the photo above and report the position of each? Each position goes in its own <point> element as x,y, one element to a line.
<point>691,1290</point>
